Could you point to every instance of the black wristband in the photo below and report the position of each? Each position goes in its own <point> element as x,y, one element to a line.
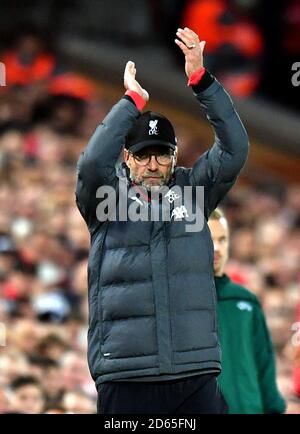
<point>129,99</point>
<point>204,83</point>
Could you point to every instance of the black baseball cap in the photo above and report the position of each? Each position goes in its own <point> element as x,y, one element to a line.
<point>151,129</point>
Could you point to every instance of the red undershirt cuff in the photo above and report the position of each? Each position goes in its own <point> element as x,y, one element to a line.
<point>196,77</point>
<point>137,99</point>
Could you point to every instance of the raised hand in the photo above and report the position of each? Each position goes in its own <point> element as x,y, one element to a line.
<point>131,83</point>
<point>192,49</point>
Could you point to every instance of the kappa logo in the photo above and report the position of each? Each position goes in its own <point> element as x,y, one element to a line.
<point>179,212</point>
<point>153,127</point>
<point>243,305</point>
<point>172,196</point>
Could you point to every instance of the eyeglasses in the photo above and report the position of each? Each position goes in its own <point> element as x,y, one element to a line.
<point>163,159</point>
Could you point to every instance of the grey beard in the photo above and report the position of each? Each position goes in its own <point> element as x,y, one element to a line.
<point>154,187</point>
<point>163,181</point>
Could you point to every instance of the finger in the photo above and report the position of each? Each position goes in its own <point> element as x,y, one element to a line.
<point>127,69</point>
<point>191,33</point>
<point>185,37</point>
<point>129,64</point>
<point>182,46</point>
<point>187,42</point>
<point>130,68</point>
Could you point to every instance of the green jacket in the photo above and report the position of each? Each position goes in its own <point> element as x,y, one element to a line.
<point>248,378</point>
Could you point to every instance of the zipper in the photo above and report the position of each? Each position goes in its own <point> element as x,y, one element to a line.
<point>100,247</point>
<point>169,304</point>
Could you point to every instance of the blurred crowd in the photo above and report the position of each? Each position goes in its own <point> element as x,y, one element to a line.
<point>46,115</point>
<point>251,44</point>
<point>46,118</point>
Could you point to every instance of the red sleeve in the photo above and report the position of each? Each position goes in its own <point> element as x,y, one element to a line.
<point>196,77</point>
<point>138,100</point>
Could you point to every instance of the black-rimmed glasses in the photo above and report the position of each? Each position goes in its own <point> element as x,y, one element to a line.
<point>163,159</point>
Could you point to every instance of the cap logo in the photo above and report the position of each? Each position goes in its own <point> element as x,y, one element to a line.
<point>153,127</point>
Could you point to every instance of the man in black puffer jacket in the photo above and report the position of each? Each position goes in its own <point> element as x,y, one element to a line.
<point>153,340</point>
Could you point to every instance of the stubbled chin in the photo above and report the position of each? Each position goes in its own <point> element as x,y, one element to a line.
<point>154,184</point>
<point>217,268</point>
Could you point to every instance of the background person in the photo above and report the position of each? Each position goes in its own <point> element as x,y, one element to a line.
<point>248,377</point>
<point>26,395</point>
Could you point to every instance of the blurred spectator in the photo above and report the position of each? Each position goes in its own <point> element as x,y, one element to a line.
<point>51,346</point>
<point>12,364</point>
<point>60,112</point>
<point>73,85</point>
<point>25,335</point>
<point>76,401</point>
<point>52,382</point>
<point>27,62</point>
<point>26,396</point>
<point>75,373</point>
<point>48,371</point>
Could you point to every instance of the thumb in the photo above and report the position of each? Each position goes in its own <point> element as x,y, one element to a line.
<point>145,95</point>
<point>130,67</point>
<point>130,64</point>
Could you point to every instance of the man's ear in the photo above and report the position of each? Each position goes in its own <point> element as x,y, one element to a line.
<point>174,161</point>
<point>175,156</point>
<point>126,155</point>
